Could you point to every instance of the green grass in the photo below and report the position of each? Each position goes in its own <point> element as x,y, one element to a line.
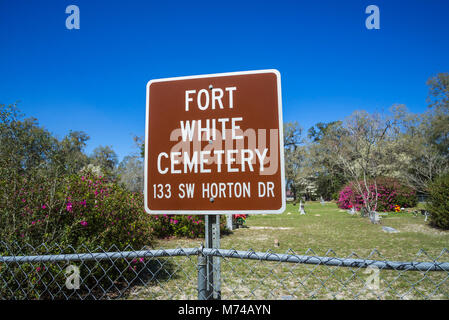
<point>327,231</point>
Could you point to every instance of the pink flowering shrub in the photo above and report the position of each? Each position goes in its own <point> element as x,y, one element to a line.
<point>347,198</point>
<point>79,210</point>
<point>108,209</point>
<point>190,226</point>
<point>389,194</point>
<point>81,213</point>
<point>89,211</point>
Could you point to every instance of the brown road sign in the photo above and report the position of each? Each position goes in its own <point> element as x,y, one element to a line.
<point>214,144</point>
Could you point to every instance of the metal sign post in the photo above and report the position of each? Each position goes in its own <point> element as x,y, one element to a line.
<point>213,264</point>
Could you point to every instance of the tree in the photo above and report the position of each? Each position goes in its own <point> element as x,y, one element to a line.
<point>140,144</point>
<point>421,160</point>
<point>69,156</point>
<point>293,177</point>
<point>439,91</point>
<point>131,173</point>
<point>438,100</point>
<point>293,156</point>
<point>320,130</point>
<point>24,146</point>
<point>105,158</point>
<point>292,135</point>
<point>424,138</point>
<point>328,175</point>
<point>362,147</point>
<point>27,148</point>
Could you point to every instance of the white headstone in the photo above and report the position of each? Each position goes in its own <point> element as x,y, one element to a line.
<point>374,217</point>
<point>389,230</point>
<point>229,224</point>
<point>301,208</point>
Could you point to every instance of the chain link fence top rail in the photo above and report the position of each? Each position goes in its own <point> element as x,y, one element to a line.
<point>53,272</point>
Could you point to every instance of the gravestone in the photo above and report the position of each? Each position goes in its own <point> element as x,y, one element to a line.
<point>423,212</point>
<point>389,230</point>
<point>374,217</point>
<point>301,208</point>
<point>364,212</point>
<point>229,223</point>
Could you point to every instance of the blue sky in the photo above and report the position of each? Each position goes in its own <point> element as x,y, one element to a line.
<point>93,79</point>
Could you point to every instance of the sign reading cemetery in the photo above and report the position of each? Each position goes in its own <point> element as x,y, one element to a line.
<point>214,144</point>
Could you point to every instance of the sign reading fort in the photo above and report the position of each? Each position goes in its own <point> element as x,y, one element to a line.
<point>214,144</point>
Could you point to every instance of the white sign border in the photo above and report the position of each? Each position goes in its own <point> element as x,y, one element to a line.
<point>281,146</point>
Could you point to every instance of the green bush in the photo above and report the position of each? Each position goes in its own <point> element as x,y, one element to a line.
<point>406,197</point>
<point>438,202</point>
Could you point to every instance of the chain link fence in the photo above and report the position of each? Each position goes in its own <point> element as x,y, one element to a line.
<point>53,272</point>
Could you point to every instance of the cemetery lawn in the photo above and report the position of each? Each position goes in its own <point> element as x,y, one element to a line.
<point>325,230</point>
<point>326,227</point>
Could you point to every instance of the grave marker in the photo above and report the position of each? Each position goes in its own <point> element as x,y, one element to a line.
<point>301,208</point>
